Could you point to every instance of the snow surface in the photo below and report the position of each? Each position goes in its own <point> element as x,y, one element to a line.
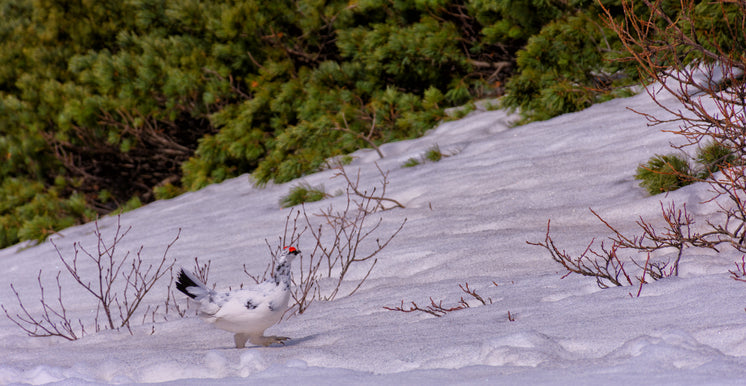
<point>468,219</point>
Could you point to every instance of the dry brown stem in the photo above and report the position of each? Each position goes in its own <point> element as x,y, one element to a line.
<point>367,138</point>
<point>353,187</point>
<point>709,90</point>
<point>604,265</point>
<point>705,76</point>
<point>119,287</point>
<point>342,237</point>
<point>437,309</point>
<point>739,273</point>
<point>53,321</point>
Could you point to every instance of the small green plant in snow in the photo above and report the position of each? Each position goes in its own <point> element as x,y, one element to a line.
<point>302,193</point>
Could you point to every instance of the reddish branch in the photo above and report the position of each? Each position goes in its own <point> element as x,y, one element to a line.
<point>118,302</point>
<point>664,49</point>
<point>353,186</point>
<point>367,138</point>
<point>346,237</point>
<point>739,273</point>
<point>437,309</point>
<point>603,265</point>
<point>53,321</point>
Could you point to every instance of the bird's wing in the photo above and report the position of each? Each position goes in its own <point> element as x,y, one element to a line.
<point>254,297</point>
<point>213,301</point>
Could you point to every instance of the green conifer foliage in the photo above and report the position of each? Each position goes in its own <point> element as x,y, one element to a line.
<point>664,173</point>
<point>106,104</point>
<point>390,70</point>
<point>567,67</point>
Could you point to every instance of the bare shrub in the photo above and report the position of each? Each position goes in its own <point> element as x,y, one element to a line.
<point>368,138</point>
<point>696,67</point>
<point>353,188</point>
<point>704,72</point>
<point>53,320</point>
<point>604,264</point>
<point>437,309</point>
<point>344,237</point>
<point>121,283</point>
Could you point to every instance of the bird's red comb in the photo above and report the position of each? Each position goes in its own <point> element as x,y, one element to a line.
<point>290,249</point>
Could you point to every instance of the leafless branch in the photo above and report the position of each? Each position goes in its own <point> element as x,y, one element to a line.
<point>739,273</point>
<point>353,186</point>
<point>661,47</point>
<point>367,138</point>
<point>437,309</point>
<point>342,237</point>
<point>119,287</point>
<point>53,321</point>
<point>604,266</point>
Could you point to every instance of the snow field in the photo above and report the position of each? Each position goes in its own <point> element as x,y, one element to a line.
<point>468,219</point>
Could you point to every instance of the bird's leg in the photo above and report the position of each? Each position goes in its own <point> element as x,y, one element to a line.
<point>240,340</point>
<point>267,340</point>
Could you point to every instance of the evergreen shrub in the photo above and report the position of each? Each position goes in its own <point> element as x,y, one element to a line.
<point>302,193</point>
<point>434,154</point>
<point>146,99</point>
<point>712,157</point>
<point>664,173</point>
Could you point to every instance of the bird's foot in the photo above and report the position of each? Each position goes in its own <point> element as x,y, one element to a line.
<point>268,340</point>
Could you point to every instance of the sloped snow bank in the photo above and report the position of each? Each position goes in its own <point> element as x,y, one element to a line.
<point>469,217</point>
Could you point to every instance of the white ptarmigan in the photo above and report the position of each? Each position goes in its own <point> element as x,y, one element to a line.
<point>245,312</point>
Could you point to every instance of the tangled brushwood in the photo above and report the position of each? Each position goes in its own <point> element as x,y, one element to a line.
<point>437,309</point>
<point>343,238</point>
<point>119,283</point>
<point>705,76</point>
<point>603,263</point>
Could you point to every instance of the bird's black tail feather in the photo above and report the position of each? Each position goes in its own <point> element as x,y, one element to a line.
<point>183,281</point>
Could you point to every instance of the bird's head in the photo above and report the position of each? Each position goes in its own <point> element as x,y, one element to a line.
<point>289,253</point>
<point>282,269</point>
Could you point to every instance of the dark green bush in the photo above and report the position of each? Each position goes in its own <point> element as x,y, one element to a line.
<point>30,211</point>
<point>434,154</point>
<point>411,162</point>
<point>712,157</point>
<point>146,99</point>
<point>566,66</point>
<point>664,173</point>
